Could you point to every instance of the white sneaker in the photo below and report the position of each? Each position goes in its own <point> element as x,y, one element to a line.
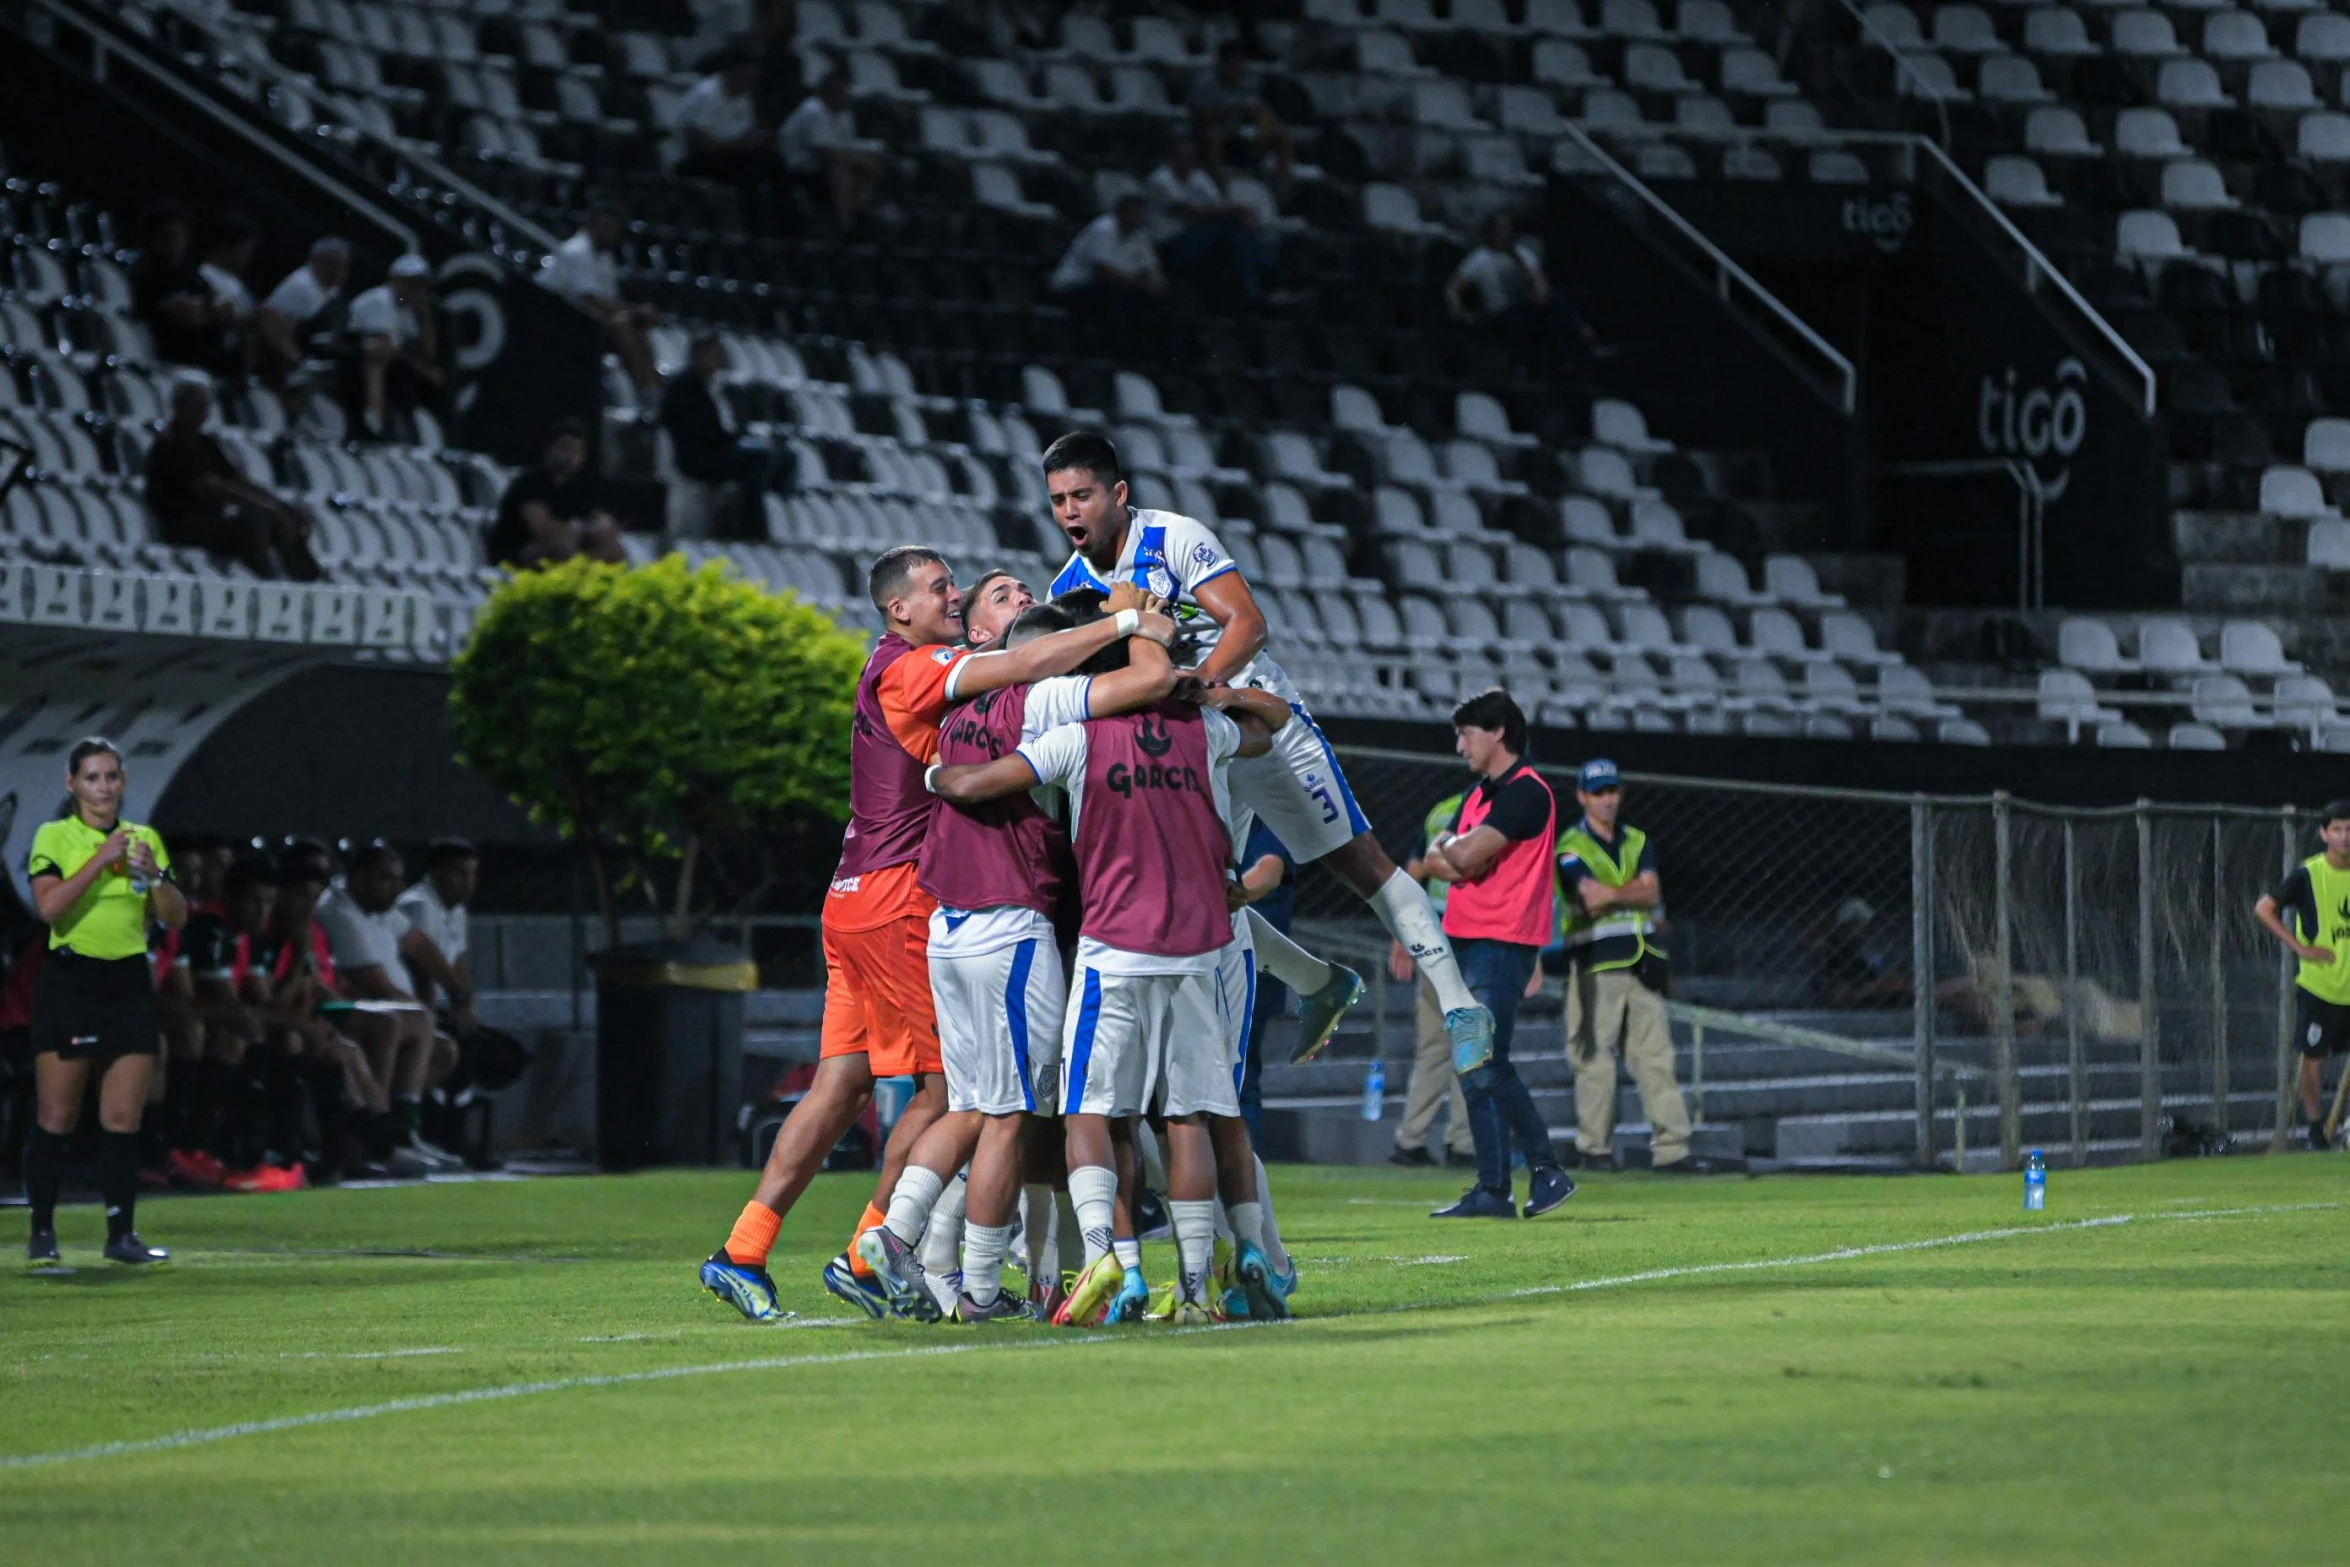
<point>439,1159</point>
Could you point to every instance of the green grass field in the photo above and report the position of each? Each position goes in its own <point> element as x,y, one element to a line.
<point>1712,1370</point>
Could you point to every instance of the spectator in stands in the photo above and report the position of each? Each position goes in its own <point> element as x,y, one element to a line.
<point>820,148</point>
<point>228,344</point>
<point>1202,235</point>
<point>168,291</point>
<point>1497,856</point>
<point>302,315</point>
<point>1500,287</point>
<point>201,501</point>
<point>367,935</point>
<point>398,335</point>
<point>582,270</point>
<point>556,510</point>
<point>1111,270</point>
<point>719,122</point>
<point>1434,1084</point>
<point>702,438</point>
<point>1615,977</point>
<point>1235,124</point>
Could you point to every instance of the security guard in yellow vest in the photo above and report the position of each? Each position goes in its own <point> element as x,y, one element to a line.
<point>2316,898</point>
<point>1608,894</point>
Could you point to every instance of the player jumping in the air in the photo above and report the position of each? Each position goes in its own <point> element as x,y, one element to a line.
<point>878,1015</point>
<point>1297,788</point>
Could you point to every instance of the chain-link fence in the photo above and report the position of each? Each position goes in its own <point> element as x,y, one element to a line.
<point>2090,982</point>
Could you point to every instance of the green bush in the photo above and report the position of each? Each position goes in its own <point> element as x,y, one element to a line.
<point>660,718</point>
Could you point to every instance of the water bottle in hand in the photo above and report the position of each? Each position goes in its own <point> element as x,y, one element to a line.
<point>2035,1182</point>
<point>1375,1091</point>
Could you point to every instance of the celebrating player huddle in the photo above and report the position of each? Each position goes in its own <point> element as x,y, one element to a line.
<point>1022,773</point>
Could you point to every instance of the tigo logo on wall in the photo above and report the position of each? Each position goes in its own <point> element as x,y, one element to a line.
<point>2043,425</point>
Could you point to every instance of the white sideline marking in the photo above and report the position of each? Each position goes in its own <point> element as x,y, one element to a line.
<point>204,1436</point>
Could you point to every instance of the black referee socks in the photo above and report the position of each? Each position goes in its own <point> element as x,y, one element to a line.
<point>44,1175</point>
<point>118,1179</point>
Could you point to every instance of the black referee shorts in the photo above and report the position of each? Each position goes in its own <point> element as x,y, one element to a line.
<point>2323,1026</point>
<point>95,1009</point>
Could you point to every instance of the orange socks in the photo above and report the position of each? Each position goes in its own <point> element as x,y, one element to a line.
<point>754,1235</point>
<point>871,1219</point>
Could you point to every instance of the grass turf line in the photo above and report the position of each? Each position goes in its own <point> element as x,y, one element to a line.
<point>2096,1394</point>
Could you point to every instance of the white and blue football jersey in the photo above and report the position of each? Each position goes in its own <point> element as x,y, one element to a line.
<point>1173,555</point>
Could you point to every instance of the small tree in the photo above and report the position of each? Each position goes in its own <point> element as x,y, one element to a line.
<point>660,718</point>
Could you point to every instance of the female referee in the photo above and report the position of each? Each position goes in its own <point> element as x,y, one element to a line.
<point>97,879</point>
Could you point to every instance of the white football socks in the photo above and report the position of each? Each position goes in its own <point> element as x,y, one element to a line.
<point>1195,1246</point>
<point>910,1204</point>
<point>942,1241</point>
<point>1129,1255</point>
<point>1040,1220</point>
<point>1094,1189</point>
<point>1248,1224</point>
<point>1403,907</point>
<point>1275,1253</point>
<point>983,1261</point>
<point>1284,959</point>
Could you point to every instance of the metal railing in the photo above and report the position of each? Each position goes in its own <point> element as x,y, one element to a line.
<point>2095,974</point>
<point>1905,68</point>
<point>1731,282</point>
<point>113,43</point>
<point>420,170</point>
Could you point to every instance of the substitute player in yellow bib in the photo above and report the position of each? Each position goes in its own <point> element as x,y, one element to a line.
<point>2316,898</point>
<point>96,881</point>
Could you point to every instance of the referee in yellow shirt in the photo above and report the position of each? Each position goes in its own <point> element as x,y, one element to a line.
<point>97,880</point>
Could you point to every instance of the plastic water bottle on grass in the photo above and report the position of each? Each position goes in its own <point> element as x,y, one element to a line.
<point>2035,1182</point>
<point>1375,1091</point>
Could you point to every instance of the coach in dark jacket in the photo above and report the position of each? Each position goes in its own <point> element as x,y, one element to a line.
<point>702,441</point>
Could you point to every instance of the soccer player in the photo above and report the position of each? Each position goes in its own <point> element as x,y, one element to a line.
<point>2319,938</point>
<point>1297,788</point>
<point>996,871</point>
<point>991,605</point>
<point>878,1015</point>
<point>1148,796</point>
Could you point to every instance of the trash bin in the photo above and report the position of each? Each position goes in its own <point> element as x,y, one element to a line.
<point>669,1052</point>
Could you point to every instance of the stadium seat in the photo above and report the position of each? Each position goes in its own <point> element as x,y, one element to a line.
<point>2169,647</point>
<point>2224,702</point>
<point>2144,35</point>
<point>2251,647</point>
<point>2192,185</point>
<point>2058,132</point>
<point>2053,30</point>
<point>1961,731</point>
<point>2329,544</point>
<point>2148,133</point>
<point>2293,492</point>
<point>1965,29</point>
<point>2194,737</point>
<point>2124,736</point>
<point>2010,78</point>
<point>2066,697</point>
<point>2014,181</point>
<point>2235,35</point>
<point>2090,645</point>
<point>2304,702</point>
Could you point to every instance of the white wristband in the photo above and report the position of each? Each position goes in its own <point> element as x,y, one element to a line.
<point>1128,621</point>
<point>930,777</point>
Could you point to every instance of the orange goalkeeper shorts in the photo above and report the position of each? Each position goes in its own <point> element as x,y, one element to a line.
<point>877,997</point>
